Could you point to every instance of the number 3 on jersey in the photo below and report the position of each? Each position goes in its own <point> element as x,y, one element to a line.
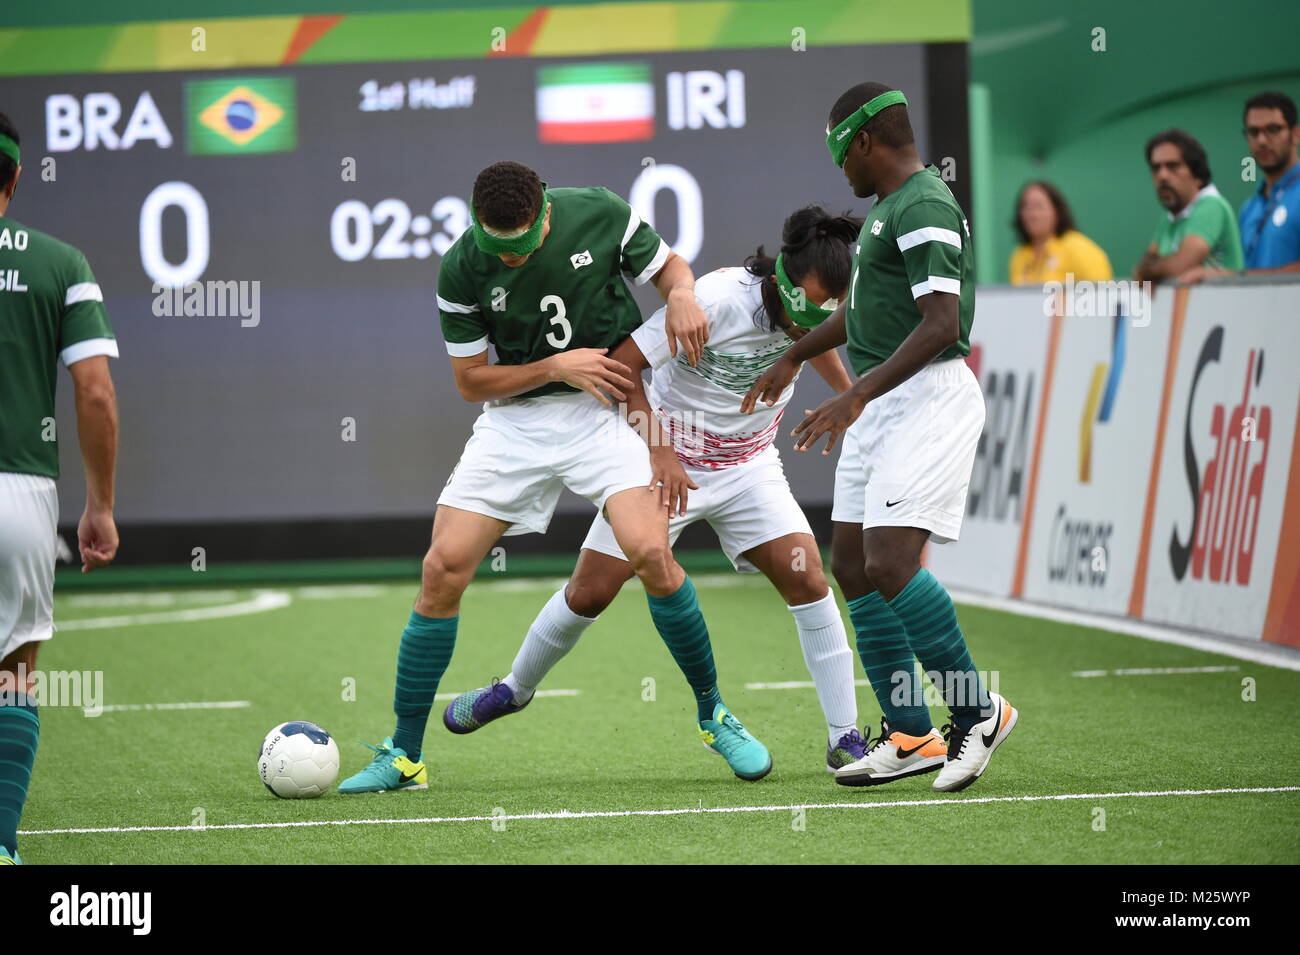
<point>561,338</point>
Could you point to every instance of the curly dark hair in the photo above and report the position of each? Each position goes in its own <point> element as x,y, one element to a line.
<point>1190,147</point>
<point>507,195</point>
<point>813,240</point>
<point>7,166</point>
<point>1064,217</point>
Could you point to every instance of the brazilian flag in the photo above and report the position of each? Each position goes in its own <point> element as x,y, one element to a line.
<point>241,115</point>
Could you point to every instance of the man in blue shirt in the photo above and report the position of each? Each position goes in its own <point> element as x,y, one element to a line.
<point>1270,219</point>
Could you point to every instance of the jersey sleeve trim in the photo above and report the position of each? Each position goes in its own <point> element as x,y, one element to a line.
<point>89,348</point>
<point>937,283</point>
<point>657,263</point>
<point>456,307</point>
<point>467,349</point>
<point>83,292</point>
<point>917,237</point>
<point>633,222</point>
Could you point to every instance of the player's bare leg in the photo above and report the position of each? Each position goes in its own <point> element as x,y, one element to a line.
<point>793,564</point>
<point>19,730</point>
<point>460,541</point>
<point>640,525</point>
<point>595,582</point>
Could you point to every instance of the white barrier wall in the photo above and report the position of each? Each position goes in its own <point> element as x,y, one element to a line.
<point>1144,467</point>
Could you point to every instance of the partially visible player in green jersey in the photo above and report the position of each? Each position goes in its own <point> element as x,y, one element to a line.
<point>51,309</point>
<point>541,276</point>
<point>911,424</point>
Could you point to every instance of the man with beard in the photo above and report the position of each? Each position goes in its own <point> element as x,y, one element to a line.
<point>1198,228</point>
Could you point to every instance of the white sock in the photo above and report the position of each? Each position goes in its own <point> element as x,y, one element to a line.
<point>552,635</point>
<point>826,652</point>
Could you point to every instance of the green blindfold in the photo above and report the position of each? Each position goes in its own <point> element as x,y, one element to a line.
<point>839,138</point>
<point>801,311</point>
<point>9,148</point>
<point>524,244</point>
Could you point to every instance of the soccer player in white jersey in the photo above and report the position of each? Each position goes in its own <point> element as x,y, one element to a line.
<point>720,466</point>
<point>51,309</point>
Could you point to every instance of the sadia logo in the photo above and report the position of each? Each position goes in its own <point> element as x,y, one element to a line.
<point>241,115</point>
<point>1226,495</point>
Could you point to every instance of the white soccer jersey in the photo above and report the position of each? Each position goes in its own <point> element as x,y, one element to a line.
<point>700,406</point>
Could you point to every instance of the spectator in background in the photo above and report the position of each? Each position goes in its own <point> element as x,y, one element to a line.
<point>1051,247</point>
<point>1270,219</point>
<point>1198,228</point>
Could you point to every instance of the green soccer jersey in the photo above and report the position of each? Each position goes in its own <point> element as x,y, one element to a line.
<point>570,293</point>
<point>1209,216</point>
<point>50,308</point>
<point>915,241</point>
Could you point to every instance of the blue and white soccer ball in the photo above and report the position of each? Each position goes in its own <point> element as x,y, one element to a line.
<point>298,760</point>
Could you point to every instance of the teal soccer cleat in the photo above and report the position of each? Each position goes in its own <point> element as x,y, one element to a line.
<point>727,736</point>
<point>390,770</point>
<point>9,858</point>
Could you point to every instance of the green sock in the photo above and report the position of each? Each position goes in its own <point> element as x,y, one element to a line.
<point>886,652</point>
<point>931,622</point>
<point>20,728</point>
<point>678,619</point>
<point>426,648</point>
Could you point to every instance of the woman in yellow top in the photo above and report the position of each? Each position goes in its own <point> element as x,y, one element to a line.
<point>1051,246</point>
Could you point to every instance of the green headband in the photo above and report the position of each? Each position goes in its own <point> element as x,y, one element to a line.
<point>838,139</point>
<point>524,244</point>
<point>9,148</point>
<point>801,311</point>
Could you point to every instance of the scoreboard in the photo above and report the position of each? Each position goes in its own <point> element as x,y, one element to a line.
<point>268,241</point>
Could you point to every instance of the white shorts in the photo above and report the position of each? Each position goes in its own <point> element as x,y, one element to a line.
<point>523,453</point>
<point>906,462</point>
<point>29,516</point>
<point>746,505</point>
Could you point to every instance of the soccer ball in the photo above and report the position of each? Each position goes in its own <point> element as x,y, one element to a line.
<point>298,760</point>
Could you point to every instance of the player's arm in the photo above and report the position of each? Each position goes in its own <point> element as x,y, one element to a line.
<point>826,337</point>
<point>588,369</point>
<point>938,330</point>
<point>97,432</point>
<point>667,471</point>
<point>687,325</point>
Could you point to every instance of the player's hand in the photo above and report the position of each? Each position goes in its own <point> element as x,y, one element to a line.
<point>96,539</point>
<point>671,479</point>
<point>590,370</point>
<point>687,325</point>
<point>832,417</point>
<point>770,385</point>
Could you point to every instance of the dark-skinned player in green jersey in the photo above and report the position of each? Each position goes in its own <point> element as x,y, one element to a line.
<point>542,276</point>
<point>910,426</point>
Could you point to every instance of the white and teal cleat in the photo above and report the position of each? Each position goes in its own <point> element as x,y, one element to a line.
<point>9,858</point>
<point>390,770</point>
<point>727,737</point>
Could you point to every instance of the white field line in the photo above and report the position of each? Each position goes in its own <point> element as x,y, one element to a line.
<point>215,705</point>
<point>260,603</point>
<point>1155,671</point>
<point>1252,651</point>
<point>342,591</point>
<point>689,811</point>
<point>159,598</point>
<point>452,696</point>
<point>795,685</point>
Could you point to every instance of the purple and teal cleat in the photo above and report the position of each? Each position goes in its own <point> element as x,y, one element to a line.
<point>850,748</point>
<point>474,709</point>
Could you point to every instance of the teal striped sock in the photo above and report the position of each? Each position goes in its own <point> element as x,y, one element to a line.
<point>886,655</point>
<point>678,619</point>
<point>20,728</point>
<point>931,621</point>
<point>426,648</point>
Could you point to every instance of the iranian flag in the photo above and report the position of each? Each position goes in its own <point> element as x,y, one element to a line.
<point>595,103</point>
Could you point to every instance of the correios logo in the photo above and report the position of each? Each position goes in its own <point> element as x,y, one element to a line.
<point>1226,493</point>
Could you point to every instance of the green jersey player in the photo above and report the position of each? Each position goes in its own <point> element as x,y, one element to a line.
<point>540,275</point>
<point>51,309</point>
<point>911,424</point>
